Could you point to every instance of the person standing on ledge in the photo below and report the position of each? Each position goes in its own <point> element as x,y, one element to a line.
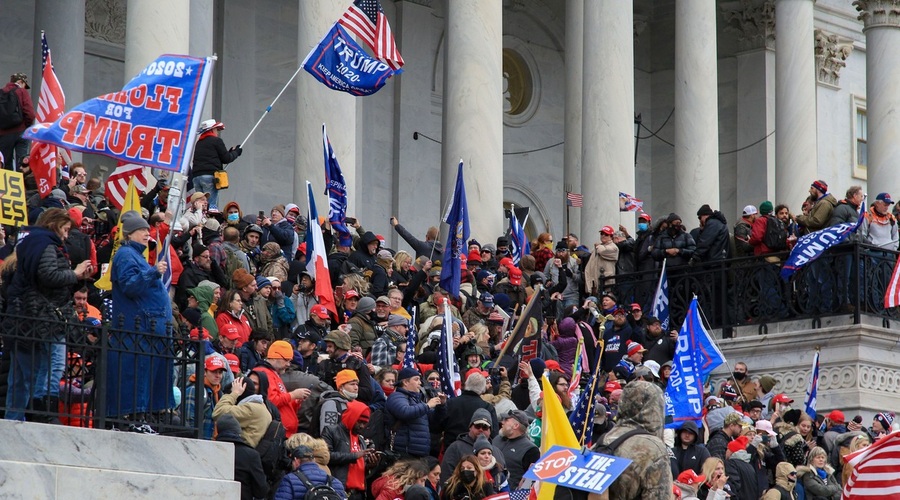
<point>210,156</point>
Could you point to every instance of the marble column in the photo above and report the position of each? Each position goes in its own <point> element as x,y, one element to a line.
<point>882,29</point>
<point>317,104</point>
<point>473,112</point>
<point>200,40</point>
<point>574,80</point>
<point>754,23</point>
<point>63,22</point>
<point>608,113</point>
<point>153,29</point>
<point>795,102</point>
<point>696,118</point>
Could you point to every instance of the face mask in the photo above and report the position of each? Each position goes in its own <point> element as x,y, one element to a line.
<point>468,476</point>
<point>350,395</point>
<point>291,219</point>
<point>643,226</point>
<point>234,217</point>
<point>756,441</point>
<point>673,230</point>
<point>739,375</point>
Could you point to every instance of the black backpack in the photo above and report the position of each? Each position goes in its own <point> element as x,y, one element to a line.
<point>610,449</point>
<point>317,492</point>
<point>272,453</point>
<point>10,109</point>
<point>776,234</point>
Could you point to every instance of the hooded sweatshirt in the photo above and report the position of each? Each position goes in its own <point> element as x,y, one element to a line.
<point>784,487</point>
<point>204,298</point>
<point>356,476</point>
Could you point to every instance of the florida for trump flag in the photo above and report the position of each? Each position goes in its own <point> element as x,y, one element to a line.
<point>51,105</point>
<point>317,255</point>
<point>457,217</point>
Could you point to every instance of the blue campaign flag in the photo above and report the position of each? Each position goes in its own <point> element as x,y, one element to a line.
<point>696,356</point>
<point>335,188</point>
<point>660,308</point>
<point>152,121</point>
<point>518,245</point>
<point>457,217</point>
<point>811,246</point>
<point>812,388</point>
<point>341,64</point>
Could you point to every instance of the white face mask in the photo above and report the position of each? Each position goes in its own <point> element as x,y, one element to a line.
<point>350,395</point>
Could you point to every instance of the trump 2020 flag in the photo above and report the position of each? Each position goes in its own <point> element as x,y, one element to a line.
<point>696,356</point>
<point>457,217</point>
<point>446,366</point>
<point>518,245</point>
<point>812,388</point>
<point>660,308</point>
<point>51,105</point>
<point>811,246</point>
<point>152,121</point>
<point>341,64</point>
<point>335,187</point>
<point>317,255</point>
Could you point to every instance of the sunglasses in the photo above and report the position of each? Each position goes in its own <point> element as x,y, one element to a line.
<point>482,427</point>
<point>433,379</point>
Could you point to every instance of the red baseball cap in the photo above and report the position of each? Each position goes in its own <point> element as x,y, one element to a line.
<point>608,230</point>
<point>320,310</point>
<point>349,294</point>
<point>214,363</point>
<point>552,364</point>
<point>233,362</point>
<point>836,416</point>
<point>507,262</point>
<point>612,385</point>
<point>636,306</point>
<point>690,477</point>
<point>476,370</point>
<point>515,276</point>
<point>230,332</point>
<point>782,398</point>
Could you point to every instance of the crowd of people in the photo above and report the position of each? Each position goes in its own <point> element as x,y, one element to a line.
<point>313,397</point>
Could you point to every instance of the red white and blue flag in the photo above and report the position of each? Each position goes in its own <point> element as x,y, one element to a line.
<point>409,356</point>
<point>874,470</point>
<point>446,366</point>
<point>51,105</point>
<point>117,183</point>
<point>892,294</point>
<point>628,203</point>
<point>812,388</point>
<point>366,19</point>
<point>317,255</point>
<point>574,200</point>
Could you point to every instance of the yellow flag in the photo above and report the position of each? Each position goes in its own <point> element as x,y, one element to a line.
<point>555,430</point>
<point>132,202</point>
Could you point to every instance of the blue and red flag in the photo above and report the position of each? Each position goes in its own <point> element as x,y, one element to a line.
<point>812,388</point>
<point>341,64</point>
<point>518,244</point>
<point>335,188</point>
<point>317,256</point>
<point>457,217</point>
<point>152,121</point>
<point>446,366</point>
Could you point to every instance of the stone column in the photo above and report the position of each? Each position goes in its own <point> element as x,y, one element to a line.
<point>200,41</point>
<point>317,104</point>
<point>696,117</point>
<point>473,112</point>
<point>153,29</point>
<point>574,77</point>
<point>795,102</point>
<point>882,29</point>
<point>608,113</point>
<point>63,22</point>
<point>754,23</point>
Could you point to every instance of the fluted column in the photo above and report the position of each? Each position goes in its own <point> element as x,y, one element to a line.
<point>473,111</point>
<point>608,113</point>
<point>64,24</point>
<point>574,77</point>
<point>317,104</point>
<point>696,117</point>
<point>882,29</point>
<point>152,29</point>
<point>795,101</point>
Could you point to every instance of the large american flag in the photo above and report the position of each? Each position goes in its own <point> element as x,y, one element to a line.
<point>366,19</point>
<point>409,356</point>
<point>117,183</point>
<point>892,294</point>
<point>874,470</point>
<point>446,365</point>
<point>51,106</point>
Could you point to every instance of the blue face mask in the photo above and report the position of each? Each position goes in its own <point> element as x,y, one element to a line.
<point>643,226</point>
<point>234,217</point>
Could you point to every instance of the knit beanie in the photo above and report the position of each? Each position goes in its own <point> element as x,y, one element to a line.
<point>767,382</point>
<point>766,207</point>
<point>345,376</point>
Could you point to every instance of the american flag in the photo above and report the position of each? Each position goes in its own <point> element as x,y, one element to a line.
<point>576,369</point>
<point>628,203</point>
<point>409,357</point>
<point>512,495</point>
<point>163,255</point>
<point>892,294</point>
<point>582,419</point>
<point>574,200</point>
<point>117,183</point>
<point>366,19</point>
<point>874,470</point>
<point>446,365</point>
<point>51,106</point>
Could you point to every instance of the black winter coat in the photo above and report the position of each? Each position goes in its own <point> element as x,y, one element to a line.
<point>459,412</point>
<point>713,242</point>
<point>338,438</point>
<point>247,468</point>
<point>210,155</point>
<point>681,240</point>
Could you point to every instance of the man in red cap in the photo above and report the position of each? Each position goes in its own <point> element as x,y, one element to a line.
<point>214,370</point>
<point>277,362</point>
<point>835,425</point>
<point>625,369</point>
<point>601,267</point>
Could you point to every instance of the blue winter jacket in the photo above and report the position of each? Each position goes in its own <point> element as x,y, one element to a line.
<point>292,488</point>
<point>412,436</point>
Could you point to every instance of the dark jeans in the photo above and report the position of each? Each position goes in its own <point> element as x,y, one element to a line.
<point>14,148</point>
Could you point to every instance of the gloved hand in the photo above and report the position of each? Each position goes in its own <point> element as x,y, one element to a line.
<point>237,149</point>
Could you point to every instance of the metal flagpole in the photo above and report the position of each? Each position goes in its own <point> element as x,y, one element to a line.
<point>269,107</point>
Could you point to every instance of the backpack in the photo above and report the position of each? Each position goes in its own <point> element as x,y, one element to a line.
<point>317,492</point>
<point>10,109</point>
<point>610,449</point>
<point>315,418</point>
<point>272,453</point>
<point>776,234</point>
<point>232,263</point>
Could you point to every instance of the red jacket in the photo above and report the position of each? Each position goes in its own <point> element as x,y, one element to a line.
<point>281,398</point>
<point>757,234</point>
<point>27,108</point>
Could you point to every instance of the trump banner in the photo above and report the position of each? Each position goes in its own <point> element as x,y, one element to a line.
<point>341,64</point>
<point>811,246</point>
<point>696,356</point>
<point>152,121</point>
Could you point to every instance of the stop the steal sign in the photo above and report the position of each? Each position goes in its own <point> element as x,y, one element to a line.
<point>568,467</point>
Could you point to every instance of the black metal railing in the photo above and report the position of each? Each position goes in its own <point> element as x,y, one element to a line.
<point>848,280</point>
<point>99,375</point>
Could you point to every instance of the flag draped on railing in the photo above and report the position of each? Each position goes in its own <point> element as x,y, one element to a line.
<point>812,388</point>
<point>660,307</point>
<point>696,356</point>
<point>335,188</point>
<point>51,105</point>
<point>811,246</point>
<point>152,121</point>
<point>457,217</point>
<point>892,293</point>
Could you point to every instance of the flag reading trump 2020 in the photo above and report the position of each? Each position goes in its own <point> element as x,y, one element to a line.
<point>696,356</point>
<point>811,246</point>
<point>341,64</point>
<point>152,121</point>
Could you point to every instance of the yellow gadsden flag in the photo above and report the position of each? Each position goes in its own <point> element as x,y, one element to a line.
<point>132,202</point>
<point>555,430</point>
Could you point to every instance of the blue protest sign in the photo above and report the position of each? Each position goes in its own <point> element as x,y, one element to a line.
<point>591,472</point>
<point>152,121</point>
<point>341,64</point>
